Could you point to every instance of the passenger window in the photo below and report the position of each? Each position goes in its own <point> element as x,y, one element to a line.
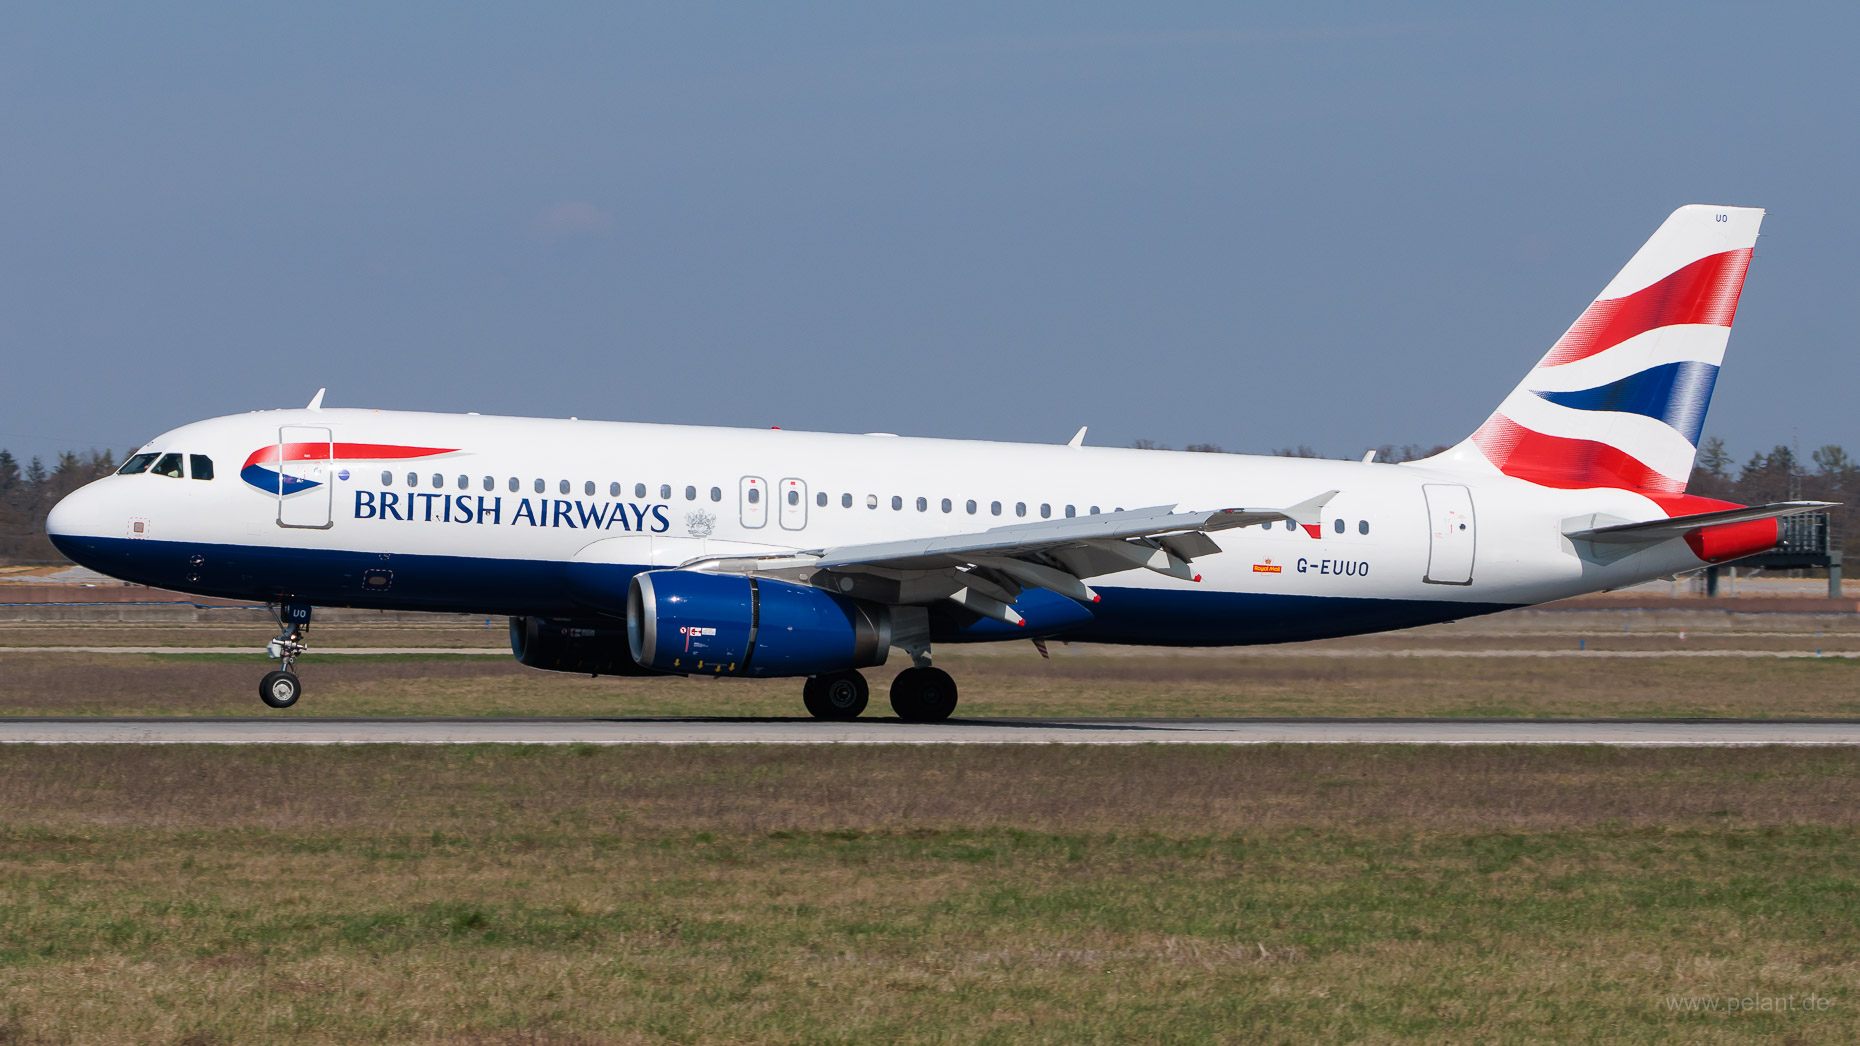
<point>169,465</point>
<point>539,486</point>
<point>846,501</point>
<point>1094,510</point>
<point>561,486</point>
<point>665,492</point>
<point>716,493</point>
<point>1362,526</point>
<point>514,484</point>
<point>613,490</point>
<point>994,507</point>
<point>1337,525</point>
<point>136,465</point>
<point>755,495</point>
<point>821,499</point>
<point>464,482</point>
<point>871,501</point>
<point>587,488</point>
<point>490,483</point>
<point>946,505</point>
<point>639,490</point>
<point>200,466</point>
<point>1289,525</point>
<point>1020,508</point>
<point>970,505</point>
<point>1070,512</point>
<point>794,497</point>
<point>923,504</point>
<point>690,493</point>
<point>413,479</point>
<point>439,481</point>
<point>387,478</point>
<point>1046,511</point>
<point>897,503</point>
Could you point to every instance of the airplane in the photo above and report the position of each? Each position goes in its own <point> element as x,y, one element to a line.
<point>635,549</point>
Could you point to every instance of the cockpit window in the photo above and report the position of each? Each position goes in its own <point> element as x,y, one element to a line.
<point>169,465</point>
<point>138,464</point>
<point>200,466</point>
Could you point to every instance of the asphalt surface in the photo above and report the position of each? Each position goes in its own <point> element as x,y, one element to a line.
<point>1277,651</point>
<point>285,729</point>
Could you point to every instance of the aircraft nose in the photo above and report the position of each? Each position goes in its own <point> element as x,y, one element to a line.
<point>79,514</point>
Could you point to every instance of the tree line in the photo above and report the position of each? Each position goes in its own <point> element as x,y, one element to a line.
<point>28,493</point>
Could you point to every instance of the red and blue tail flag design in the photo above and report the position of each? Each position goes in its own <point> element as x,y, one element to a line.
<point>276,481</point>
<point>1620,399</point>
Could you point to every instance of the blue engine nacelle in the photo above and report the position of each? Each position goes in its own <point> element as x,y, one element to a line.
<point>725,624</point>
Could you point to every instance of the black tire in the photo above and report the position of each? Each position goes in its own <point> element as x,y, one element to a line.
<point>923,695</point>
<point>841,695</point>
<point>280,689</point>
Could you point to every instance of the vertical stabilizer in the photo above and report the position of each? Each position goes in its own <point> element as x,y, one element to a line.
<point>1620,399</point>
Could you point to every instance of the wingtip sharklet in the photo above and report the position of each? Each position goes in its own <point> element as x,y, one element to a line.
<point>1310,511</point>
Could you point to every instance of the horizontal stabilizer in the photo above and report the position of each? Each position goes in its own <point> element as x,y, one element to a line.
<point>1657,530</point>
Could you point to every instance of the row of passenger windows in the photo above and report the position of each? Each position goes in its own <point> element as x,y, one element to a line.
<point>971,506</point>
<point>199,466</point>
<point>754,496</point>
<point>588,488</point>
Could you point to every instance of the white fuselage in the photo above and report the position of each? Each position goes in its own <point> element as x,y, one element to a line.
<point>502,509</point>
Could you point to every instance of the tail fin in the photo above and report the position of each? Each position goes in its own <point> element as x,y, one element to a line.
<point>1620,398</point>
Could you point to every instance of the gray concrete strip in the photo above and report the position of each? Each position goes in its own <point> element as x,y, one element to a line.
<point>306,730</point>
<point>1279,652</point>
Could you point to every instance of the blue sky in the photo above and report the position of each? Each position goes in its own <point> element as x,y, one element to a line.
<point>1188,223</point>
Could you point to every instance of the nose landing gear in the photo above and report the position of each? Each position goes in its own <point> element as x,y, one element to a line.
<point>281,689</point>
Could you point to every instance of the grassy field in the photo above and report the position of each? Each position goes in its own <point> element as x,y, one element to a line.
<point>1417,672</point>
<point>829,895</point>
<point>1013,683</point>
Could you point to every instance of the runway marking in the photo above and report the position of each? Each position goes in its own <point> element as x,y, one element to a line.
<point>560,731</point>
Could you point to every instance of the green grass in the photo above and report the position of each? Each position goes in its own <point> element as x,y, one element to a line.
<point>821,895</point>
<point>1013,682</point>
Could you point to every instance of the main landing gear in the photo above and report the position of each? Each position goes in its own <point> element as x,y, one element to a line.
<point>918,695</point>
<point>281,689</point>
<point>923,695</point>
<point>839,695</point>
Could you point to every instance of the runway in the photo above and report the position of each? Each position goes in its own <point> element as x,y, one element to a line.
<point>560,731</point>
<point>1238,652</point>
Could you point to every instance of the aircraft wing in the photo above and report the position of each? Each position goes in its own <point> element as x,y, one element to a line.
<point>987,570</point>
<point>1656,530</point>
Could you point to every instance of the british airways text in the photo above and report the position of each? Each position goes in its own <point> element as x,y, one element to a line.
<point>533,512</point>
